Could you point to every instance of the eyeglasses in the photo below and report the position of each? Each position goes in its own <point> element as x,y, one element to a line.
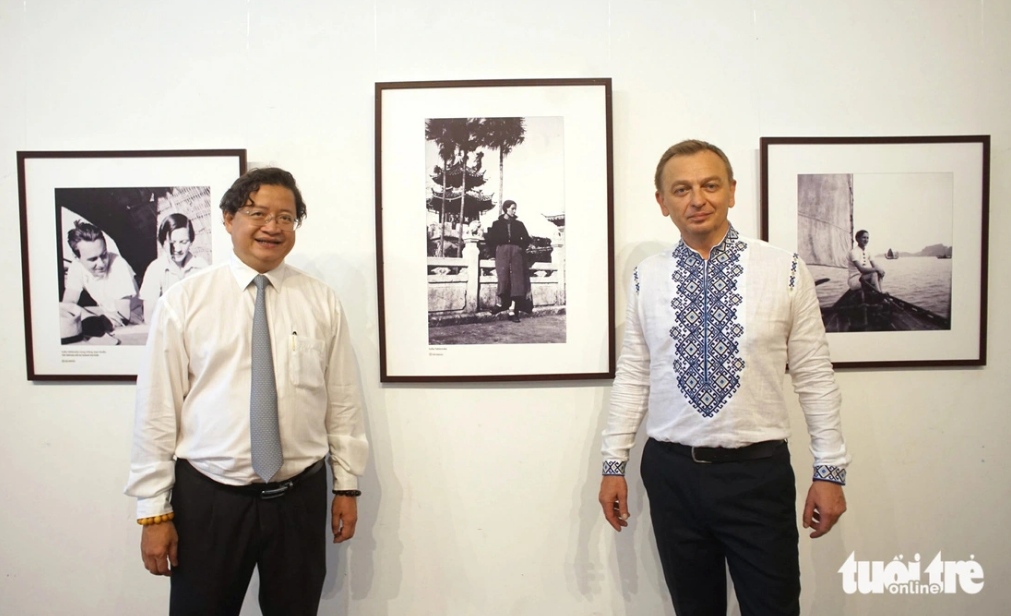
<point>259,218</point>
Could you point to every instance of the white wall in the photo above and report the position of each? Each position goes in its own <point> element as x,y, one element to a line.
<point>482,499</point>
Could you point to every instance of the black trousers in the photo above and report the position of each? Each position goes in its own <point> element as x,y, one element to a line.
<point>708,516</point>
<point>224,534</point>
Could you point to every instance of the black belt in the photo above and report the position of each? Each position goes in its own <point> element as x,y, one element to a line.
<point>705,455</point>
<point>265,491</point>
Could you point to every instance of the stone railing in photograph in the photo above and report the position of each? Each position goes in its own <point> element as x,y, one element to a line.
<point>459,287</point>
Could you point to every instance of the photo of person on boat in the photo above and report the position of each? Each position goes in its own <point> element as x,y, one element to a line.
<point>863,270</point>
<point>911,215</point>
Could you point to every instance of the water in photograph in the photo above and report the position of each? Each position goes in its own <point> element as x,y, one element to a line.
<point>924,281</point>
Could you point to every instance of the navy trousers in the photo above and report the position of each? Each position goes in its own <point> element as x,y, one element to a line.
<point>707,517</point>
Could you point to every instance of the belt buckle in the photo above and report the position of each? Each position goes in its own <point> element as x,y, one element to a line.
<point>276,492</point>
<point>697,461</point>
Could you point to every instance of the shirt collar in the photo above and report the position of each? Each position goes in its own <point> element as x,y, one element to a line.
<point>244,274</point>
<point>170,265</point>
<point>108,270</point>
<point>683,250</point>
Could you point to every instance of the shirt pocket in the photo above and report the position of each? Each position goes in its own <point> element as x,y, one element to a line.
<point>307,366</point>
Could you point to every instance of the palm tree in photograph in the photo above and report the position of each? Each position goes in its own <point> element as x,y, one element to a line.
<point>459,176</point>
<point>502,134</point>
<point>467,137</point>
<point>447,184</point>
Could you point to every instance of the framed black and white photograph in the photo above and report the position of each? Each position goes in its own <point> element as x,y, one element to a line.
<point>494,230</point>
<point>894,231</point>
<point>103,234</point>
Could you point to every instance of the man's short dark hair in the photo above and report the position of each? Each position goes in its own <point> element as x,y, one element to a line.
<point>859,233</point>
<point>687,148</point>
<point>237,196</point>
<point>173,222</point>
<point>83,232</point>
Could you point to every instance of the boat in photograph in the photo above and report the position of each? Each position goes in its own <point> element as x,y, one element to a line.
<point>867,309</point>
<point>825,238</point>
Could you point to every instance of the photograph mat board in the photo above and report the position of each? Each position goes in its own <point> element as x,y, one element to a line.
<point>785,161</point>
<point>42,176</point>
<point>584,109</point>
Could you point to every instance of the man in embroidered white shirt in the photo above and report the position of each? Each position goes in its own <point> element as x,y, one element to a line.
<point>212,510</point>
<point>711,325</point>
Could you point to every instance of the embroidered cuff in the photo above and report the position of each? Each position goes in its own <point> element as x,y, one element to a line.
<point>833,474</point>
<point>614,467</point>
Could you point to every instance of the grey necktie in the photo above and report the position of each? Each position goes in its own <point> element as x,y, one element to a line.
<point>264,434</point>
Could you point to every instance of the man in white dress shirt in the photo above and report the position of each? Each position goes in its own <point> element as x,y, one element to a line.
<point>208,517</point>
<point>105,275</point>
<point>711,325</point>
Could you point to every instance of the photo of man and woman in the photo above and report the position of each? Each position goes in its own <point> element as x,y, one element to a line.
<point>107,235</point>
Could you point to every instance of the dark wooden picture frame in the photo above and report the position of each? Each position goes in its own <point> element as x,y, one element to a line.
<point>450,155</point>
<point>914,293</point>
<point>115,204</point>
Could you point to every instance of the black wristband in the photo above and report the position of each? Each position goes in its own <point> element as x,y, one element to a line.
<point>347,492</point>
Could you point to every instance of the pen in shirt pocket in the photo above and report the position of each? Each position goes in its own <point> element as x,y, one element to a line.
<point>294,339</point>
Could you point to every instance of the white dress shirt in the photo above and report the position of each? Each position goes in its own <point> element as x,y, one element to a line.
<point>163,272</point>
<point>193,385</point>
<point>117,283</point>
<point>706,345</point>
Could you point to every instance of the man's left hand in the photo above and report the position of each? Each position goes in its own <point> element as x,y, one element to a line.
<point>825,503</point>
<point>344,514</point>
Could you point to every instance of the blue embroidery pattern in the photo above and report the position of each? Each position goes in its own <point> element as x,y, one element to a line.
<point>635,276</point>
<point>614,467</point>
<point>830,473</point>
<point>793,271</point>
<point>706,333</point>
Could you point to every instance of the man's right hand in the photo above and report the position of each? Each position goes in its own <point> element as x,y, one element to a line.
<point>614,500</point>
<point>158,547</point>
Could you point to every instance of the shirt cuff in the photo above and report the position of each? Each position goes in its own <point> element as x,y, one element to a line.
<point>343,480</point>
<point>832,474</point>
<point>156,505</point>
<point>614,467</point>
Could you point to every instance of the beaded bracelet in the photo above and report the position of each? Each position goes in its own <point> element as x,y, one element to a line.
<point>347,492</point>
<point>157,519</point>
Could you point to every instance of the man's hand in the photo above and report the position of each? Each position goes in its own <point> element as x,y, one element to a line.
<point>344,514</point>
<point>825,503</point>
<point>614,500</point>
<point>158,547</point>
